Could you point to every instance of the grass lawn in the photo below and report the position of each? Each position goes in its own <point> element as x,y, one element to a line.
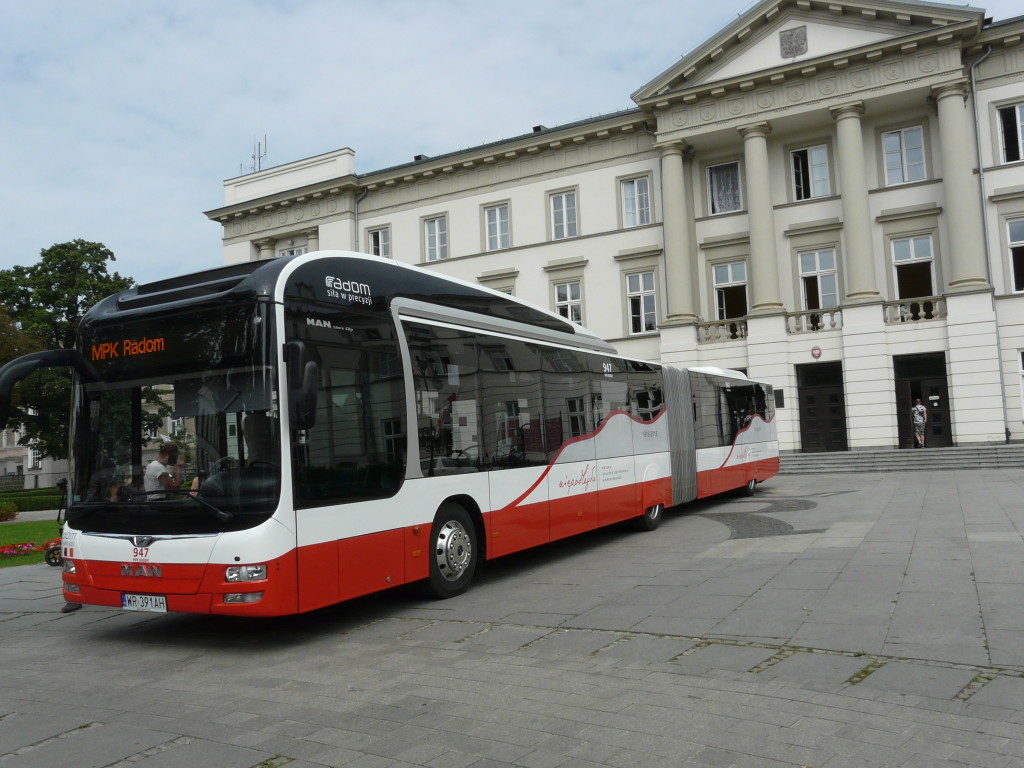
<point>37,532</point>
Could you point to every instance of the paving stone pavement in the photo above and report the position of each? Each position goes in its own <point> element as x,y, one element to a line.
<point>829,621</point>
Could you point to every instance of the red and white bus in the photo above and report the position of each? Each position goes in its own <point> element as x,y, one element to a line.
<point>356,424</point>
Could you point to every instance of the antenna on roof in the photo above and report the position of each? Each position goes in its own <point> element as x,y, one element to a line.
<point>259,151</point>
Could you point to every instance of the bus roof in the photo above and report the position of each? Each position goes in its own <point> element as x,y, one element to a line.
<point>377,282</point>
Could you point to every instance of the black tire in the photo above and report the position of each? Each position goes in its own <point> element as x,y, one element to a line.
<point>750,487</point>
<point>650,519</point>
<point>453,552</point>
<point>54,558</point>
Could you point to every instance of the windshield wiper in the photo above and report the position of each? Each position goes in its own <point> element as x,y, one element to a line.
<point>222,514</point>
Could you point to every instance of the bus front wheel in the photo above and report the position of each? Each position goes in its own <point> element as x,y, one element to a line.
<point>453,552</point>
<point>651,518</point>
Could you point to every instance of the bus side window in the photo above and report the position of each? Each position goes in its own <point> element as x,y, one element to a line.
<point>512,407</point>
<point>568,410</point>
<point>707,416</point>
<point>445,375</point>
<point>355,447</point>
<point>646,400</point>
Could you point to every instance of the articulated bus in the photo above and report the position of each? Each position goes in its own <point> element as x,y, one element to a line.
<point>354,424</point>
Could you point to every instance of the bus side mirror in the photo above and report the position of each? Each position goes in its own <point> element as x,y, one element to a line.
<point>303,378</point>
<point>302,399</point>
<point>24,366</point>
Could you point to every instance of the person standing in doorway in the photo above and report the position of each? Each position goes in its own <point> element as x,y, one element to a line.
<point>920,414</point>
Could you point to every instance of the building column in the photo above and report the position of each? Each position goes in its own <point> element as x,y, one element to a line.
<point>963,210</point>
<point>764,268</point>
<point>313,239</point>
<point>266,248</point>
<point>679,255</point>
<point>858,257</point>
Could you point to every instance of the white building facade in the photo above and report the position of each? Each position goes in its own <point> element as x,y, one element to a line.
<point>827,195</point>
<point>22,466</point>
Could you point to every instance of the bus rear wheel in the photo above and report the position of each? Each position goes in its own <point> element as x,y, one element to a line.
<point>750,487</point>
<point>453,552</point>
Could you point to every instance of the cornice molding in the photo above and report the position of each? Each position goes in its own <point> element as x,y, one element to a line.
<point>828,87</point>
<point>312,196</point>
<point>813,227</point>
<point>438,176</point>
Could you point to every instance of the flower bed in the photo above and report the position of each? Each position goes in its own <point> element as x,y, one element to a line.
<point>16,550</point>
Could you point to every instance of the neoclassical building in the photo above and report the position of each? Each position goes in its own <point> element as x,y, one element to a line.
<point>827,195</point>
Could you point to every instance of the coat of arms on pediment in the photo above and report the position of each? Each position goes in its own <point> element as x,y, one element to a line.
<point>793,42</point>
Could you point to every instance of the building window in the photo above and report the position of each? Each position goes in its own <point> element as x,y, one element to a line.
<point>730,289</point>
<point>912,260</point>
<point>1016,232</point>
<point>563,215</point>
<point>378,242</point>
<point>1011,124</point>
<point>297,251</point>
<point>35,459</point>
<point>435,234</point>
<point>810,172</point>
<point>500,359</point>
<point>643,316</point>
<point>577,411</point>
<point>724,188</point>
<point>569,300</point>
<point>496,219</point>
<point>818,275</point>
<point>394,440</point>
<point>904,155</point>
<point>636,202</point>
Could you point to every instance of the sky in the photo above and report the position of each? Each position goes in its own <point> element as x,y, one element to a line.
<point>120,119</point>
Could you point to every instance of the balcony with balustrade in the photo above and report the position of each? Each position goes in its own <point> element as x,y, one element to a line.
<point>904,312</point>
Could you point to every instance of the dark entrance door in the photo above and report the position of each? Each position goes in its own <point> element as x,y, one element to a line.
<point>822,407</point>
<point>923,376</point>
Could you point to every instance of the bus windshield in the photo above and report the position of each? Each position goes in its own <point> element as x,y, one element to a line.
<point>203,382</point>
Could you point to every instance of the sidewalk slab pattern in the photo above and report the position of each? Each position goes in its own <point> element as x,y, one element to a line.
<point>828,621</point>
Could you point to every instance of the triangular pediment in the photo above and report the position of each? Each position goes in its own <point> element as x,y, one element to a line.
<point>780,33</point>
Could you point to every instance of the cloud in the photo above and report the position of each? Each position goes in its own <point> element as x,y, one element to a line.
<point>121,119</point>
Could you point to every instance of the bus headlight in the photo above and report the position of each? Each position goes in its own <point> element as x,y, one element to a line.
<point>235,573</point>
<point>69,566</point>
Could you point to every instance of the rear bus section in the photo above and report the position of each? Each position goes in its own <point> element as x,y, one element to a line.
<point>734,431</point>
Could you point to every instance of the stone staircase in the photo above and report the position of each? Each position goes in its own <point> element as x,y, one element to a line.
<point>892,460</point>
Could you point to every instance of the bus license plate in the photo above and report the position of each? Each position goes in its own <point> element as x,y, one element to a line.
<point>153,603</point>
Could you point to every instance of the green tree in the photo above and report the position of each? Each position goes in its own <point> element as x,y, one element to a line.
<point>46,302</point>
<point>14,343</point>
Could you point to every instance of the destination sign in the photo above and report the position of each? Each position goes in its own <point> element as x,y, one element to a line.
<point>107,350</point>
<point>233,335</point>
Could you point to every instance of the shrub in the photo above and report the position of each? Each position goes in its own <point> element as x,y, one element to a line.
<point>32,503</point>
<point>8,511</point>
<point>29,492</point>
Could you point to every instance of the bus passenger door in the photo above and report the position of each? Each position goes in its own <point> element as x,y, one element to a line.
<point>513,448</point>
<point>616,470</point>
